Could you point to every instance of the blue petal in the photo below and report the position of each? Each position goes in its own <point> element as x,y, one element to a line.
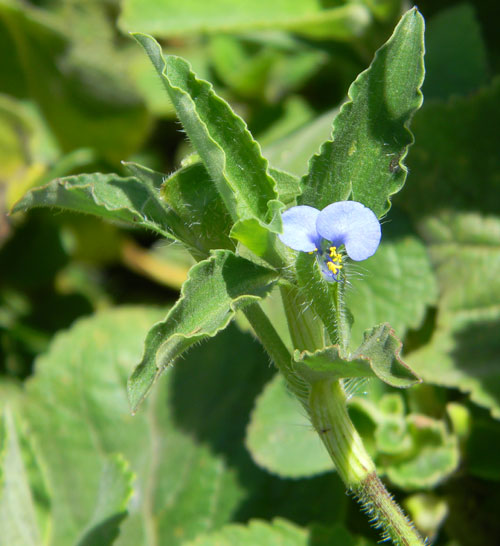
<point>299,228</point>
<point>352,224</point>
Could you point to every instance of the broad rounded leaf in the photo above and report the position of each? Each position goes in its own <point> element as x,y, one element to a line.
<point>78,418</point>
<point>280,436</point>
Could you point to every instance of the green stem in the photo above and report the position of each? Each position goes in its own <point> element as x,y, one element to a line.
<point>275,348</point>
<point>328,413</point>
<point>327,408</point>
<point>306,330</point>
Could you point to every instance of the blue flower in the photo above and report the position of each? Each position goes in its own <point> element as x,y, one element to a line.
<point>345,223</point>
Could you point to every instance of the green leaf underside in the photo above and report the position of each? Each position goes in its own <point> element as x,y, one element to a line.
<point>463,352</point>
<point>370,137</point>
<point>165,18</point>
<point>17,510</point>
<point>107,196</point>
<point>378,356</point>
<point>227,149</point>
<point>180,488</point>
<point>396,285</point>
<point>215,289</point>
<point>280,437</point>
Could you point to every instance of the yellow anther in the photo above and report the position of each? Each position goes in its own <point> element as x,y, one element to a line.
<point>334,255</point>
<point>313,251</point>
<point>334,268</point>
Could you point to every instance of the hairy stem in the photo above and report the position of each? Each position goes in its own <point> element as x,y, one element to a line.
<point>327,408</point>
<point>328,413</point>
<point>275,348</point>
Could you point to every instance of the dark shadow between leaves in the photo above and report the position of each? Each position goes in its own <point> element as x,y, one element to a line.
<point>104,533</point>
<point>213,393</point>
<point>476,353</point>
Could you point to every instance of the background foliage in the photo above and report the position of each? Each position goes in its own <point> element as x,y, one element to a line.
<point>220,453</point>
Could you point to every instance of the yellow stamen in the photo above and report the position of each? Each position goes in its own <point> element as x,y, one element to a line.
<point>334,268</point>
<point>334,255</point>
<point>313,251</point>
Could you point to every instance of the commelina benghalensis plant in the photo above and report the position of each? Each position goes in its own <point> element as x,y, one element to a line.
<point>253,229</point>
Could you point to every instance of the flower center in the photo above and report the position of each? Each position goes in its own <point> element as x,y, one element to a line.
<point>334,260</point>
<point>330,260</point>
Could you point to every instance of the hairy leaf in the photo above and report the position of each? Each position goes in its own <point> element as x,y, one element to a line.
<point>216,288</point>
<point>107,196</point>
<point>378,356</point>
<point>221,138</point>
<point>370,138</point>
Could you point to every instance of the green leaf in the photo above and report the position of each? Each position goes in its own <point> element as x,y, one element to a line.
<point>231,156</point>
<point>264,533</point>
<point>18,522</point>
<point>463,352</point>
<point>292,152</point>
<point>195,208</point>
<point>456,148</point>
<point>370,137</point>
<point>287,184</point>
<point>165,18</point>
<point>181,488</point>
<point>280,437</point>
<point>107,196</point>
<point>191,194</point>
<point>115,490</point>
<point>279,532</point>
<point>378,356</point>
<point>415,451</point>
<point>216,288</point>
<point>428,511</point>
<point>77,76</point>
<point>225,394</point>
<point>318,291</point>
<point>434,455</point>
<point>455,56</point>
<point>395,285</point>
